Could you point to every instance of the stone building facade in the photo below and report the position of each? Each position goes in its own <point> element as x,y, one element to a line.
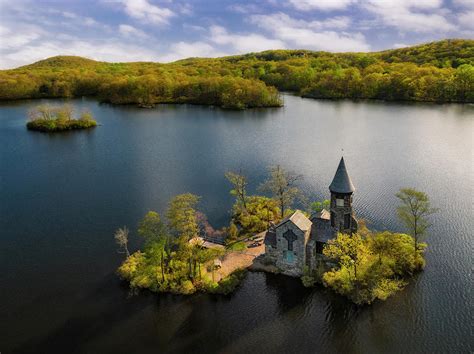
<point>298,241</point>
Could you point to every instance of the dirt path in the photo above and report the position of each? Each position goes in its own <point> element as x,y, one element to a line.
<point>239,259</point>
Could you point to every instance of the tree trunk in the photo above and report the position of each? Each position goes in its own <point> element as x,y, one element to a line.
<point>162,267</point>
<point>415,236</point>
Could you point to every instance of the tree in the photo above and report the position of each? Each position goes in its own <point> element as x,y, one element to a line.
<point>182,218</point>
<point>347,250</point>
<point>260,212</point>
<point>282,186</point>
<point>382,243</point>
<point>414,212</point>
<point>153,230</point>
<point>316,207</point>
<point>121,238</point>
<point>239,183</point>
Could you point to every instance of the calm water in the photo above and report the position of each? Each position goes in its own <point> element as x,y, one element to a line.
<point>62,196</point>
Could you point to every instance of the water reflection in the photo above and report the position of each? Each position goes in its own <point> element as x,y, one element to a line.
<point>62,196</point>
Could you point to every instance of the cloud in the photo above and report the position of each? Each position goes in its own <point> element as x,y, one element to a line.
<point>244,9</point>
<point>244,43</point>
<point>143,10</point>
<point>324,5</point>
<point>406,15</point>
<point>104,51</point>
<point>130,31</point>
<point>466,19</point>
<point>468,4</point>
<point>311,34</point>
<point>400,45</point>
<point>190,49</point>
<point>10,40</point>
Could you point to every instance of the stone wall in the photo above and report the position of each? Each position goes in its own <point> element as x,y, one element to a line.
<point>271,254</point>
<point>295,266</point>
<point>338,213</point>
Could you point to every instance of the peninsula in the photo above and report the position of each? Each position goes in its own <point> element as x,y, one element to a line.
<point>331,247</point>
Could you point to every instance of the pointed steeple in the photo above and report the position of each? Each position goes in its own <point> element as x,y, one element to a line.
<point>341,182</point>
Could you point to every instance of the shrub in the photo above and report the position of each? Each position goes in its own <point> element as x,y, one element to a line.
<point>229,283</point>
<point>371,267</point>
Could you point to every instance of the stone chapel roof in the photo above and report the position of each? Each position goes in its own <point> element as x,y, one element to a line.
<point>299,219</point>
<point>341,182</point>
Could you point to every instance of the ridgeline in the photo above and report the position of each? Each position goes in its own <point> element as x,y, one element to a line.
<point>441,71</point>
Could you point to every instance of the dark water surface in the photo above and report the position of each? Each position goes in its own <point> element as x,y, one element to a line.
<point>62,196</point>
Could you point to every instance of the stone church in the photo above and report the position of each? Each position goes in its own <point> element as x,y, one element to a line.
<point>297,241</point>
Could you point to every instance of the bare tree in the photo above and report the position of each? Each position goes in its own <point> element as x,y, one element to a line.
<point>281,185</point>
<point>43,111</point>
<point>65,112</point>
<point>121,238</point>
<point>239,182</point>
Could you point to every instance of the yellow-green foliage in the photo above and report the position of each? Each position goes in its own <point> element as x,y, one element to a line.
<point>256,217</point>
<point>171,263</point>
<point>237,246</point>
<point>441,71</point>
<point>229,283</point>
<point>373,266</point>
<point>46,118</point>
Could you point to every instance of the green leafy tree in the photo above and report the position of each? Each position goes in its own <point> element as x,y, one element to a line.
<point>152,228</point>
<point>317,206</point>
<point>258,215</point>
<point>182,218</point>
<point>414,212</point>
<point>154,231</point>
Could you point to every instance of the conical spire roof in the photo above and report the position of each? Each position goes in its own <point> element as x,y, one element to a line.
<point>341,182</point>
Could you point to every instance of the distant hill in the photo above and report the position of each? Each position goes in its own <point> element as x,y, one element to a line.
<point>62,61</point>
<point>448,52</point>
<point>440,71</point>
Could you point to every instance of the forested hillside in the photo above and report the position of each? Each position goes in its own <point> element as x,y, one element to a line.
<point>440,72</point>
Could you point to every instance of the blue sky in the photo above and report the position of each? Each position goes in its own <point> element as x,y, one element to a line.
<point>167,30</point>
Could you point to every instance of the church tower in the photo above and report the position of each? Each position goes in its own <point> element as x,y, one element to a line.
<point>341,188</point>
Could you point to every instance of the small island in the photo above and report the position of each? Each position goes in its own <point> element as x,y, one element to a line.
<point>47,118</point>
<point>330,247</point>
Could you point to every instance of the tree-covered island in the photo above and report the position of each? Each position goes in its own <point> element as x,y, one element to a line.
<point>185,254</point>
<point>441,71</point>
<point>47,118</point>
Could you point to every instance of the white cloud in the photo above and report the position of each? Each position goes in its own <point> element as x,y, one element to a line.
<point>244,9</point>
<point>466,19</point>
<point>469,4</point>
<point>190,49</point>
<point>22,35</point>
<point>143,10</point>
<point>105,51</point>
<point>244,43</point>
<point>400,45</point>
<point>324,5</point>
<point>130,31</point>
<point>311,35</point>
<point>407,15</point>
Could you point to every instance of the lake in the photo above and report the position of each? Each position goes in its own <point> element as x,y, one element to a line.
<point>62,196</point>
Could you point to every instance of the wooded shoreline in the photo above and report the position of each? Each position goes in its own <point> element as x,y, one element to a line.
<point>435,72</point>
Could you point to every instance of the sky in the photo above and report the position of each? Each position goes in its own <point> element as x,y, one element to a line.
<point>168,30</point>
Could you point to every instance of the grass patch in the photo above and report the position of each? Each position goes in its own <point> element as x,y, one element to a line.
<point>59,125</point>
